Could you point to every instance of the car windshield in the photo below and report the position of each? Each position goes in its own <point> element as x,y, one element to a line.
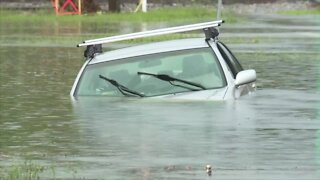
<point>153,75</point>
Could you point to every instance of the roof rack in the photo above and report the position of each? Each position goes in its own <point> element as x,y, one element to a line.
<point>205,26</point>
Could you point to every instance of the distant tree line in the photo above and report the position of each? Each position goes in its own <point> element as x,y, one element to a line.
<point>168,1</point>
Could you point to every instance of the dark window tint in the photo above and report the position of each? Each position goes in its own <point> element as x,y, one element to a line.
<point>230,59</point>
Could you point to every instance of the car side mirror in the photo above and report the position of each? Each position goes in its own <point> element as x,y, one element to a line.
<point>245,77</point>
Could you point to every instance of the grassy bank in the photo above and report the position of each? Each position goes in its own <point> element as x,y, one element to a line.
<point>168,14</point>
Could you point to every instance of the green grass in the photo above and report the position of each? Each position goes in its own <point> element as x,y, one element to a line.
<point>43,27</point>
<point>302,12</point>
<point>168,14</point>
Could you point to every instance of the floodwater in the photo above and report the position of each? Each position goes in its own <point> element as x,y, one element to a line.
<point>271,134</point>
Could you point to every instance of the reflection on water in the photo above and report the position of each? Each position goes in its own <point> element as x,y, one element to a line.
<point>272,134</point>
<point>177,139</point>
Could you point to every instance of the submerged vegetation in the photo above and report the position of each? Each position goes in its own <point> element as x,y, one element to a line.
<point>28,170</point>
<point>302,12</point>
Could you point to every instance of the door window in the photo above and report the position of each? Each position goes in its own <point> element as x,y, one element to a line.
<point>230,59</point>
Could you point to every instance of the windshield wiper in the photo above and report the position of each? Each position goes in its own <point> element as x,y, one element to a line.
<point>124,90</point>
<point>170,79</point>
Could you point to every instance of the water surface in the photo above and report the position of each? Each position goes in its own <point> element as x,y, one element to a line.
<point>271,134</point>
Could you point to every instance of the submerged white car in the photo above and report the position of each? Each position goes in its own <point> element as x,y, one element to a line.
<point>196,68</point>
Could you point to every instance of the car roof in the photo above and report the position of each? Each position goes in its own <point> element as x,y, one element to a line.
<point>150,48</point>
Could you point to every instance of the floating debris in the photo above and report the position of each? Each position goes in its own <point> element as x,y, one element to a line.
<point>209,170</point>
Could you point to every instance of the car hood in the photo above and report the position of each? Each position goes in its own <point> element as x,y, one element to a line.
<point>212,94</point>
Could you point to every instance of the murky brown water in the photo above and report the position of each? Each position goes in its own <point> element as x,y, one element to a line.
<point>272,134</point>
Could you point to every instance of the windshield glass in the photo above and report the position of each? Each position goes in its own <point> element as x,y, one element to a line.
<point>186,70</point>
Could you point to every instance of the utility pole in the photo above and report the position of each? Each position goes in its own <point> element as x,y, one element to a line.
<point>219,9</point>
<point>144,5</point>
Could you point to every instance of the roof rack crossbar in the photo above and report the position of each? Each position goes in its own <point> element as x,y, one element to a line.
<point>184,28</point>
<point>152,33</point>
